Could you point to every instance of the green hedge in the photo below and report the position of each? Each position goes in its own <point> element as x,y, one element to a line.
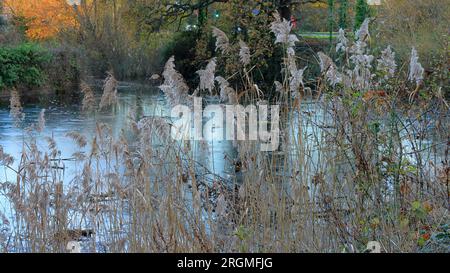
<point>22,65</point>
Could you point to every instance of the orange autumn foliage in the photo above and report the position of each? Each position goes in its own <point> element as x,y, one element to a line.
<point>44,18</point>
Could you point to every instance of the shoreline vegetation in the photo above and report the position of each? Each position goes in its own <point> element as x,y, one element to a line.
<point>362,165</point>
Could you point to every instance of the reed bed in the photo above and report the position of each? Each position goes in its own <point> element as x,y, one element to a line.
<point>364,159</point>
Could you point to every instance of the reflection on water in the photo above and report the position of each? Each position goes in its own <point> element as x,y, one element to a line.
<point>60,120</point>
<point>306,126</point>
<point>305,150</point>
<point>216,158</point>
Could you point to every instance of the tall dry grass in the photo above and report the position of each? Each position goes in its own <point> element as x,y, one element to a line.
<point>364,159</point>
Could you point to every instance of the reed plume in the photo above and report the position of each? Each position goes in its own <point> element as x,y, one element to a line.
<point>207,76</point>
<point>329,69</point>
<point>88,104</point>
<point>79,139</point>
<point>222,41</point>
<point>15,106</point>
<point>225,90</point>
<point>415,68</point>
<point>109,97</point>
<point>279,87</point>
<point>386,63</point>
<point>282,30</point>
<point>5,159</point>
<point>41,121</point>
<point>155,126</point>
<point>362,33</point>
<point>244,53</point>
<point>174,86</point>
<point>342,44</point>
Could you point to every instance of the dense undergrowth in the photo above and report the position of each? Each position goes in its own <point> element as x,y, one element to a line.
<point>22,65</point>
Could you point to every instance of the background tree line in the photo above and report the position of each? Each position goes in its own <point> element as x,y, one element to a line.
<point>134,37</point>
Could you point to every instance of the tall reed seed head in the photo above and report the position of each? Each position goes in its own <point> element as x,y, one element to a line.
<point>296,80</point>
<point>327,66</point>
<point>342,44</point>
<point>109,97</point>
<point>207,76</point>
<point>174,86</point>
<point>41,121</point>
<point>386,63</point>
<point>244,53</point>
<point>15,106</point>
<point>226,92</point>
<point>222,41</point>
<point>415,68</point>
<point>5,159</point>
<point>362,34</point>
<point>282,30</point>
<point>88,104</point>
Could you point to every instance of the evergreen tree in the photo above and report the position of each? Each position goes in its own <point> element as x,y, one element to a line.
<point>343,14</point>
<point>362,11</point>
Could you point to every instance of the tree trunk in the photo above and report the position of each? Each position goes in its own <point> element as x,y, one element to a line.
<point>284,9</point>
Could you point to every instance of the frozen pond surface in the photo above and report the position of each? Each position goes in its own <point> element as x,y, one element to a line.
<point>309,126</point>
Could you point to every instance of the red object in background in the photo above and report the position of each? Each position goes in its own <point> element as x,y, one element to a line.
<point>293,21</point>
